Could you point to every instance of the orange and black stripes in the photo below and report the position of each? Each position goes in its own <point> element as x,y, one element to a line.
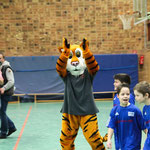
<point>61,65</point>
<point>91,62</point>
<point>65,119</point>
<point>93,134</point>
<point>89,125</point>
<point>93,118</point>
<point>99,146</point>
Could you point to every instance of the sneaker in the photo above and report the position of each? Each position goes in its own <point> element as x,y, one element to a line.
<point>11,131</point>
<point>3,136</point>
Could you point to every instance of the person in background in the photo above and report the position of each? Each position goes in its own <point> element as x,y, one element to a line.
<point>1,83</point>
<point>6,91</point>
<point>118,80</point>
<point>1,79</point>
<point>142,95</point>
<point>127,120</point>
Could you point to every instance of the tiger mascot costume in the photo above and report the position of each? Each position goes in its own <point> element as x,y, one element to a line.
<point>77,67</point>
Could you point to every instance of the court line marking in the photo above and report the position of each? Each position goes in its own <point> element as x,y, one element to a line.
<point>22,129</point>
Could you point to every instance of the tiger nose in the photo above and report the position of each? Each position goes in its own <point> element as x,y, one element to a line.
<point>74,63</point>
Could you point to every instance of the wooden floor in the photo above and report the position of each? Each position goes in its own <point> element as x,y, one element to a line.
<point>39,125</point>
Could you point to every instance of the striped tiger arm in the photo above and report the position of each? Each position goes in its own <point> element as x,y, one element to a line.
<point>62,60</point>
<point>91,62</point>
<point>61,65</point>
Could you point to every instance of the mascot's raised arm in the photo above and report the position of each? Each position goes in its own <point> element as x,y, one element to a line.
<point>77,67</point>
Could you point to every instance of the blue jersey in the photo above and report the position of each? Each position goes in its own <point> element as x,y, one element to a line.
<point>117,102</point>
<point>128,123</point>
<point>146,115</point>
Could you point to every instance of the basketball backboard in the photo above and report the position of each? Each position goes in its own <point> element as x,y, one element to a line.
<point>141,7</point>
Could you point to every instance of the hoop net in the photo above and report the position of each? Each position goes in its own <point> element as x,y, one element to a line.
<point>126,20</point>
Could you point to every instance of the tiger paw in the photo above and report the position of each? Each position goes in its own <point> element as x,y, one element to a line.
<point>85,44</point>
<point>105,138</point>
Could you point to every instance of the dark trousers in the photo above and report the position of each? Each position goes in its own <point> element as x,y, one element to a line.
<point>6,123</point>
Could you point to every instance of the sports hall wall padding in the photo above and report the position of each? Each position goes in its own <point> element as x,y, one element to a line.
<point>37,74</point>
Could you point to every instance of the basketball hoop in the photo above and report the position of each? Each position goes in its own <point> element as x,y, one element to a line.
<point>126,20</point>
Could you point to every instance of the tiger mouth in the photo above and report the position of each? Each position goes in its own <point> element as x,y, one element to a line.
<point>76,70</point>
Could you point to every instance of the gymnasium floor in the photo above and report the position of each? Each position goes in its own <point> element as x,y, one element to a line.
<point>39,125</point>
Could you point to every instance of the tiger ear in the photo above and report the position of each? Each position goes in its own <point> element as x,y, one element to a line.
<point>60,49</point>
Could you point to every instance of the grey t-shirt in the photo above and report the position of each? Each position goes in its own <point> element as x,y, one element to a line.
<point>78,96</point>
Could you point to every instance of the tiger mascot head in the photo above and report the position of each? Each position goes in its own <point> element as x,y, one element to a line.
<point>76,59</point>
<point>76,62</point>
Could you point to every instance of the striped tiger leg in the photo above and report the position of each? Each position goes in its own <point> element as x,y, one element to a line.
<point>70,127</point>
<point>91,132</point>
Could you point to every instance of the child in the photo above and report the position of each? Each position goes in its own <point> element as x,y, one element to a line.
<point>126,119</point>
<point>118,80</point>
<point>142,95</point>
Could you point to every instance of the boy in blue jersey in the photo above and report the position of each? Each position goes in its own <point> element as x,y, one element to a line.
<point>127,120</point>
<point>118,80</point>
<point>142,95</point>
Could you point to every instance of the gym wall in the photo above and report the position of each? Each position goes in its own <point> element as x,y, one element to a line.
<point>36,27</point>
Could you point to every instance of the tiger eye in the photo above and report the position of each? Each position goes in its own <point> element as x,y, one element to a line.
<point>78,54</point>
<point>70,55</point>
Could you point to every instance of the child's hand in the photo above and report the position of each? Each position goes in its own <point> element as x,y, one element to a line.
<point>109,144</point>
